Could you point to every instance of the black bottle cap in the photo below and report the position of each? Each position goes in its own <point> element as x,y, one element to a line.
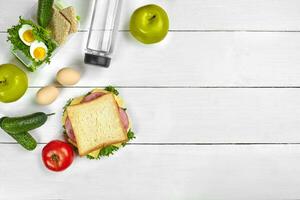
<point>102,61</point>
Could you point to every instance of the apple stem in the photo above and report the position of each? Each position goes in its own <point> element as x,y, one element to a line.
<point>3,81</point>
<point>153,17</point>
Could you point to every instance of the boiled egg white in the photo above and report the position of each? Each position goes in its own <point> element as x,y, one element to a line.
<point>26,35</point>
<point>38,50</point>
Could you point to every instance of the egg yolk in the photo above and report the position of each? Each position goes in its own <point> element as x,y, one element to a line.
<point>28,36</point>
<point>39,53</point>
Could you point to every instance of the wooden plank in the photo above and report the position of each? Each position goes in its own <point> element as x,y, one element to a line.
<point>184,59</point>
<point>189,14</point>
<point>157,172</point>
<point>188,115</point>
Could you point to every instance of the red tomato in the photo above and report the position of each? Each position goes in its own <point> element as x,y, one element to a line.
<point>57,155</point>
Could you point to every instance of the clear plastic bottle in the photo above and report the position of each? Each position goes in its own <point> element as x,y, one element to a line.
<point>102,32</point>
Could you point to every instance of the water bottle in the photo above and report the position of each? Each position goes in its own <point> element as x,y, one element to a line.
<point>102,32</point>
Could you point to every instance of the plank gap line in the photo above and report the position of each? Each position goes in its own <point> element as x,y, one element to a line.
<point>187,144</point>
<point>177,87</point>
<point>200,31</point>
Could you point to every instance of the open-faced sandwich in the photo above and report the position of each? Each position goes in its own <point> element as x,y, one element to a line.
<point>97,123</point>
<point>34,41</point>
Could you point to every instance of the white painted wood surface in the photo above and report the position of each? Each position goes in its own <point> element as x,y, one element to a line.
<point>158,172</point>
<point>226,78</point>
<point>193,115</point>
<point>184,59</point>
<point>276,15</point>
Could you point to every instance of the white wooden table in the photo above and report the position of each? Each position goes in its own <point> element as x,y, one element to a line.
<point>215,107</point>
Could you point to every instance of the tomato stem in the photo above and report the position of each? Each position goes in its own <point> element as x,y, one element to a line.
<point>55,158</point>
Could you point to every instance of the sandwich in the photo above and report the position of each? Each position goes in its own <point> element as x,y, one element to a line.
<point>59,26</point>
<point>70,14</point>
<point>64,22</point>
<point>97,124</point>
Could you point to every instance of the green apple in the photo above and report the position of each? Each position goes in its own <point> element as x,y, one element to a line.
<point>149,24</point>
<point>13,83</point>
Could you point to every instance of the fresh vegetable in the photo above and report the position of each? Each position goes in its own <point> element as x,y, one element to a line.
<point>149,24</point>
<point>57,155</point>
<point>45,12</point>
<point>39,33</point>
<point>109,150</point>
<point>24,139</point>
<point>13,83</point>
<point>18,127</point>
<point>130,136</point>
<point>47,95</point>
<point>24,123</point>
<point>112,89</point>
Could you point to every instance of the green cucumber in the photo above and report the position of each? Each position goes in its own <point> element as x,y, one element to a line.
<point>45,12</point>
<point>24,139</point>
<point>24,123</point>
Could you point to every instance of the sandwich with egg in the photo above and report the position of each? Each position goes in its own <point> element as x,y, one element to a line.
<point>97,124</point>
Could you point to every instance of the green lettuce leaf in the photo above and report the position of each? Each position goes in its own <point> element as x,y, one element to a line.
<point>40,34</point>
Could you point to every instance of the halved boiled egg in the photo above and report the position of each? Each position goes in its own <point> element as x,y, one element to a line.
<point>38,50</point>
<point>26,35</point>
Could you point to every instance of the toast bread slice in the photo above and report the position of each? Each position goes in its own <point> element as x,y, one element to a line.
<point>59,26</point>
<point>70,14</point>
<point>96,124</point>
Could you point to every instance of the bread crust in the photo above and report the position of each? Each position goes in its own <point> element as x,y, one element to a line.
<point>59,26</point>
<point>69,14</point>
<point>102,145</point>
